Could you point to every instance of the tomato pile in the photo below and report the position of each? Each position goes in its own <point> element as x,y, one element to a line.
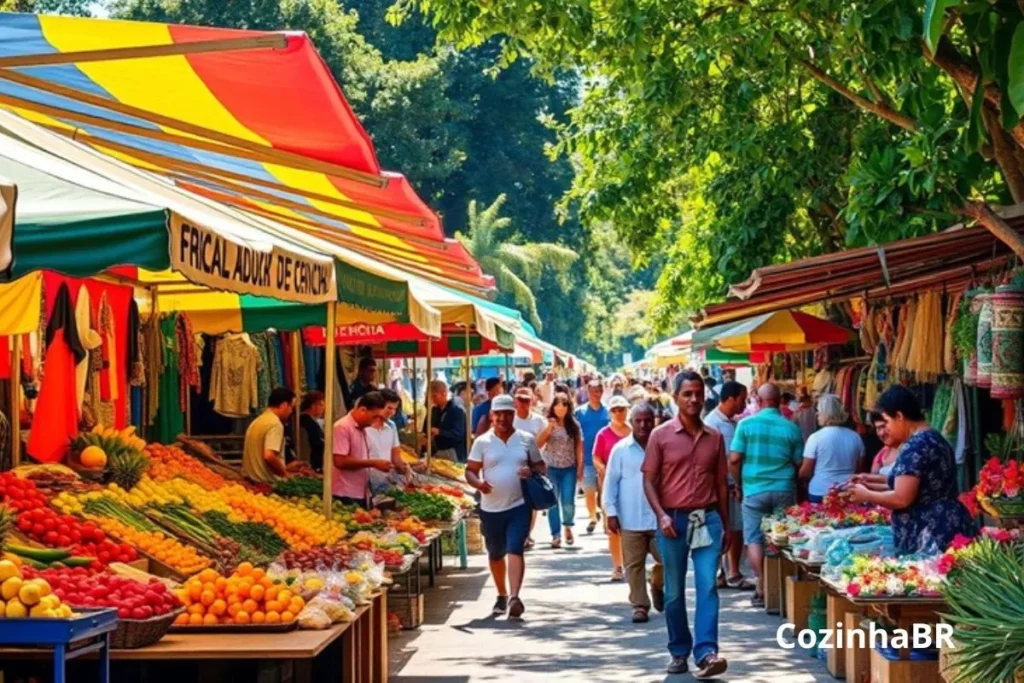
<point>20,494</point>
<point>55,530</point>
<point>133,599</point>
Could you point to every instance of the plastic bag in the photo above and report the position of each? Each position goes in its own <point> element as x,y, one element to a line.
<point>314,618</point>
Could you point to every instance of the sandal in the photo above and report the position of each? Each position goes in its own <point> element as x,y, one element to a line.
<point>720,581</point>
<point>640,616</point>
<point>556,542</point>
<point>591,527</point>
<point>528,545</point>
<point>740,583</point>
<point>569,539</point>
<point>617,575</point>
<point>757,601</point>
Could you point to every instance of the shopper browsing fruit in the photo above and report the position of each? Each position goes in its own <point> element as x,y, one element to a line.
<point>383,434</point>
<point>352,456</point>
<point>263,452</point>
<point>499,461</point>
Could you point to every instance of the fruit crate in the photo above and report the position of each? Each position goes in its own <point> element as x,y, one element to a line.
<point>69,638</point>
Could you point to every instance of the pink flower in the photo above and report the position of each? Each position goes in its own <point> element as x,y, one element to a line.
<point>946,562</point>
<point>959,541</point>
<point>853,589</point>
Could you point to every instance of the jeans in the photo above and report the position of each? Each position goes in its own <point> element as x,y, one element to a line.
<point>564,480</point>
<point>674,556</point>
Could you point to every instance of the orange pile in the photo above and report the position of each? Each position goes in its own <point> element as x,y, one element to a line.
<point>168,462</point>
<point>176,555</point>
<point>248,596</point>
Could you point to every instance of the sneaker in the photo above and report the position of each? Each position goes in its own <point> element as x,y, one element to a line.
<point>677,666</point>
<point>515,608</point>
<point>711,666</point>
<point>658,599</point>
<point>500,606</point>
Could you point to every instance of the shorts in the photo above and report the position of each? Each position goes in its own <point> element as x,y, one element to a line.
<point>756,506</point>
<point>589,478</point>
<point>505,532</point>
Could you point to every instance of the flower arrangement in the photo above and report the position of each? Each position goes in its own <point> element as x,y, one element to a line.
<point>837,510</point>
<point>963,549</point>
<point>870,576</point>
<point>999,491</point>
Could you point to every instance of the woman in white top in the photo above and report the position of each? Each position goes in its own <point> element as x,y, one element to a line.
<point>833,453</point>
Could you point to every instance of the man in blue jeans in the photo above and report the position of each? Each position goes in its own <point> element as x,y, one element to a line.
<point>685,482</point>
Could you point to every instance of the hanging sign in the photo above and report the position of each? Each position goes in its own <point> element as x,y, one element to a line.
<point>208,258</point>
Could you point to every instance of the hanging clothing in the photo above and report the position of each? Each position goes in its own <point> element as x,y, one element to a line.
<point>169,420</point>
<point>188,358</point>
<point>62,318</point>
<point>90,340</point>
<point>108,330</point>
<point>233,382</point>
<point>56,416</point>
<point>153,352</point>
<point>134,364</point>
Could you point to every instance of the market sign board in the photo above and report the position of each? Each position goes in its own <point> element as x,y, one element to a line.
<point>209,258</point>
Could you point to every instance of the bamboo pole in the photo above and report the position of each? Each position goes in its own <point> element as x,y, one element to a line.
<point>297,381</point>
<point>244,150</point>
<point>273,40</point>
<point>426,400</point>
<point>218,175</point>
<point>16,400</point>
<point>469,402</point>
<point>329,373</point>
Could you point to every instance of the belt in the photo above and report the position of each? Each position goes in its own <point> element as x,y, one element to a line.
<point>686,511</point>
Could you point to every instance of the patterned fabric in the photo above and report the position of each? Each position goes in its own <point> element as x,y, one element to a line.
<point>189,358</point>
<point>560,450</point>
<point>930,524</point>
<point>772,447</point>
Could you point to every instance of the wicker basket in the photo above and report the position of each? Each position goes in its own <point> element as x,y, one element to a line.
<point>135,633</point>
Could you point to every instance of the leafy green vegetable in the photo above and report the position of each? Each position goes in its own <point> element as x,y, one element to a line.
<point>426,506</point>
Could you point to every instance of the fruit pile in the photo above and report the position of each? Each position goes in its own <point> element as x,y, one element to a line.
<point>248,596</point>
<point>20,494</point>
<point>120,452</point>
<point>132,599</point>
<point>297,525</point>
<point>24,595</point>
<point>168,462</point>
<point>182,558</point>
<point>55,530</point>
<point>313,559</point>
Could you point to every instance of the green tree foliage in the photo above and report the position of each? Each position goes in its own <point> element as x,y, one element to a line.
<point>516,266</point>
<point>79,8</point>
<point>731,134</point>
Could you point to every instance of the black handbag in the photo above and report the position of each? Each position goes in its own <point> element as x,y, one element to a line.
<point>539,492</point>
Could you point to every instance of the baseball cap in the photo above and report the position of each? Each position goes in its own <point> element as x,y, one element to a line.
<point>522,393</point>
<point>618,402</point>
<point>502,402</point>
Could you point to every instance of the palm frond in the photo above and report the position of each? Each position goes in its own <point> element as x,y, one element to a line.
<point>521,292</point>
<point>521,261</point>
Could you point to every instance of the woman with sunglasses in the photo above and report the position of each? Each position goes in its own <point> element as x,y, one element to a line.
<point>561,443</point>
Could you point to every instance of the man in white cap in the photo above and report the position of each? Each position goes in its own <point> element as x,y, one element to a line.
<point>501,458</point>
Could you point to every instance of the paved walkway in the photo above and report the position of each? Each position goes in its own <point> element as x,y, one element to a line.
<point>576,628</point>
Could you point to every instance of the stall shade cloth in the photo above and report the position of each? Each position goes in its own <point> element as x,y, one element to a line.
<point>284,101</point>
<point>778,331</point>
<point>19,305</point>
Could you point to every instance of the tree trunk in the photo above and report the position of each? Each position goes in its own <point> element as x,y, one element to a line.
<point>1005,153</point>
<point>983,213</point>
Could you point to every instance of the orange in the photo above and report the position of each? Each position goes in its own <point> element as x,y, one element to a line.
<point>244,589</point>
<point>209,620</point>
<point>234,599</point>
<point>196,609</point>
<point>266,582</point>
<point>207,598</point>
<point>296,605</point>
<point>210,586</point>
<point>221,583</point>
<point>242,617</point>
<point>182,619</point>
<point>258,617</point>
<point>207,575</point>
<point>287,617</point>
<point>250,606</point>
<point>195,619</point>
<point>272,592</point>
<point>195,589</point>
<point>284,596</point>
<point>274,605</point>
<point>273,617</point>
<point>257,573</point>
<point>234,609</point>
<point>257,592</point>
<point>244,569</point>
<point>218,607</point>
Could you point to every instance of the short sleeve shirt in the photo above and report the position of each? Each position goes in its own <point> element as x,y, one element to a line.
<point>266,433</point>
<point>836,452</point>
<point>351,441</point>
<point>686,468</point>
<point>383,440</point>
<point>532,425</point>
<point>501,461</point>
<point>603,444</point>
<point>772,447</point>
<point>591,422</point>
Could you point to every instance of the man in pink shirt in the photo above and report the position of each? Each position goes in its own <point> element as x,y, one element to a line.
<point>351,481</point>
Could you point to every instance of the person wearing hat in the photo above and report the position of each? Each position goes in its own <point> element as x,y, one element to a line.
<point>500,459</point>
<point>606,440</point>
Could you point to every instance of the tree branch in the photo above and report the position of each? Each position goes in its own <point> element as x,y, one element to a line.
<point>878,108</point>
<point>1005,153</point>
<point>987,218</point>
<point>875,92</point>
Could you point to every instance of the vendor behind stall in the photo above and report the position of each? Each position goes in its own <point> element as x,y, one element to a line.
<point>921,489</point>
<point>447,424</point>
<point>262,454</point>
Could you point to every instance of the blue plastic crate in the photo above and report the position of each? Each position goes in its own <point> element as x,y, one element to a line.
<point>49,632</point>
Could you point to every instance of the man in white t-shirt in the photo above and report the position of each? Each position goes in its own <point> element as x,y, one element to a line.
<point>382,435</point>
<point>501,458</point>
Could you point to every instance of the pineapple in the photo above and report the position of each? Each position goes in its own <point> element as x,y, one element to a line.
<point>126,466</point>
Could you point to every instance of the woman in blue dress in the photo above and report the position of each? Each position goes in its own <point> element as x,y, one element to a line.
<point>922,487</point>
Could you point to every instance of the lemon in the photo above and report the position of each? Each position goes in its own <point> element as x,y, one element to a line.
<point>30,594</point>
<point>64,611</point>
<point>41,611</point>
<point>8,569</point>
<point>15,610</point>
<point>51,601</point>
<point>44,587</point>
<point>10,588</point>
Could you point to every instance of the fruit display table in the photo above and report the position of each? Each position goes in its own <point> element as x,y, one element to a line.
<point>65,639</point>
<point>350,652</point>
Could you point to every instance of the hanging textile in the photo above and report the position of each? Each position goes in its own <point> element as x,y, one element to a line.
<point>189,359</point>
<point>1008,343</point>
<point>985,340</point>
<point>90,340</point>
<point>169,420</point>
<point>56,417</point>
<point>233,380</point>
<point>153,351</point>
<point>27,369</point>
<point>279,363</point>
<point>264,379</point>
<point>949,364</point>
<point>135,366</point>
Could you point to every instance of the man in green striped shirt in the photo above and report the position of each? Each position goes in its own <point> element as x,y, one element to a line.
<point>765,455</point>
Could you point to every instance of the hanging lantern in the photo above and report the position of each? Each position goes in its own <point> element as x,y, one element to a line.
<point>984,341</point>
<point>1008,342</point>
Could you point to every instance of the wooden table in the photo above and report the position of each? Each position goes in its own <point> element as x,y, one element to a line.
<point>352,652</point>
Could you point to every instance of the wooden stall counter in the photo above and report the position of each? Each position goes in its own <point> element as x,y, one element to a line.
<point>291,645</point>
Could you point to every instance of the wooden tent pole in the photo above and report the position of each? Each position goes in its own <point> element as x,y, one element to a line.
<point>244,149</point>
<point>273,40</point>
<point>415,411</point>
<point>469,403</point>
<point>329,373</point>
<point>426,400</point>
<point>296,361</point>
<point>15,400</point>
